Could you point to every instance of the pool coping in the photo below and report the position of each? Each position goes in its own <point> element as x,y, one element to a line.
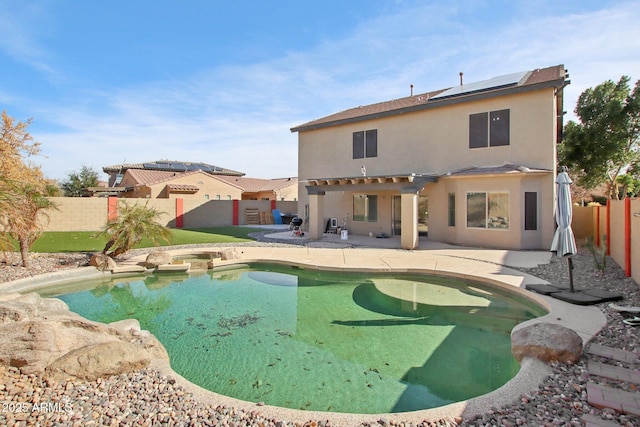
<point>469,263</point>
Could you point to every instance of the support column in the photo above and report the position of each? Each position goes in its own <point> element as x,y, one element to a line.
<point>627,236</point>
<point>179,212</point>
<point>112,208</point>
<point>236,212</point>
<point>316,213</point>
<point>409,218</point>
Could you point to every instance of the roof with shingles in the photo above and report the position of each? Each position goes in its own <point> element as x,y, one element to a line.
<point>255,185</point>
<point>535,79</point>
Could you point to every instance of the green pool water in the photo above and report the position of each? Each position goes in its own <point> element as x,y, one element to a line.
<point>303,339</point>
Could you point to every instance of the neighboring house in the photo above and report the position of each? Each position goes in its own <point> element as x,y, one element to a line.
<point>171,185</point>
<point>171,179</point>
<point>265,189</point>
<point>116,172</point>
<point>473,164</point>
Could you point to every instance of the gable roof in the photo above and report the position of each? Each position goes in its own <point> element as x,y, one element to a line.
<point>256,185</point>
<point>147,177</point>
<point>555,76</point>
<point>172,166</point>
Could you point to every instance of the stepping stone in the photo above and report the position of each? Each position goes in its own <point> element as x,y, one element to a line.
<point>600,397</point>
<point>585,296</point>
<point>613,372</point>
<point>543,289</point>
<point>593,421</point>
<point>625,309</point>
<point>577,297</point>
<point>614,353</point>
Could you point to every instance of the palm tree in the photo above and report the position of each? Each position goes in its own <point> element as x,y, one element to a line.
<point>6,205</point>
<point>24,205</point>
<point>26,223</point>
<point>134,223</point>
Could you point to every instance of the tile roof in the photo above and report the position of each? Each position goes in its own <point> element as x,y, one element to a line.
<point>255,185</point>
<point>147,177</point>
<point>535,79</point>
<point>183,187</point>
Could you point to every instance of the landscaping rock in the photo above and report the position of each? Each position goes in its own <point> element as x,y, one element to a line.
<point>98,361</point>
<point>547,342</point>
<point>230,254</point>
<point>156,258</point>
<point>102,262</point>
<point>39,335</point>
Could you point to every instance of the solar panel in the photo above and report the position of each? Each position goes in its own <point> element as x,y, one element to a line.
<point>494,83</point>
<point>182,167</point>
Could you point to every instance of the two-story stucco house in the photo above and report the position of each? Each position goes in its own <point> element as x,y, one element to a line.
<point>474,164</point>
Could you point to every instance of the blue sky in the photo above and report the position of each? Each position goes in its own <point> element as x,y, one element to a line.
<point>222,82</point>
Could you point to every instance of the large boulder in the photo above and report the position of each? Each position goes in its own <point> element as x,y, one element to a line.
<point>102,262</point>
<point>39,335</point>
<point>156,258</point>
<point>98,361</point>
<point>547,342</point>
<point>230,254</point>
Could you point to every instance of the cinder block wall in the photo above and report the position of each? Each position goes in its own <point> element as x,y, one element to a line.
<point>90,213</point>
<point>76,214</point>
<point>582,223</point>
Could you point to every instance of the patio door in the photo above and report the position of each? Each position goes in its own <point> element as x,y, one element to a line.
<point>423,215</point>
<point>396,216</point>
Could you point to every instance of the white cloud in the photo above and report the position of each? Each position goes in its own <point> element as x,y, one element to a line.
<point>239,117</point>
<point>20,25</point>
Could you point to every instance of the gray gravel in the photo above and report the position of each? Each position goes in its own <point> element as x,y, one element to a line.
<point>149,398</point>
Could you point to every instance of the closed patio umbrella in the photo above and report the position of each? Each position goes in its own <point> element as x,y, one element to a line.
<point>564,242</point>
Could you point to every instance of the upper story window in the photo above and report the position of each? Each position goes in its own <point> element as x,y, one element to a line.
<point>489,129</point>
<point>365,144</point>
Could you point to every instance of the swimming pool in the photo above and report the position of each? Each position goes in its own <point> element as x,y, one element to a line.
<point>304,339</point>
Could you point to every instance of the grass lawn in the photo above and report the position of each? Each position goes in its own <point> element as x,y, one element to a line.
<point>88,241</point>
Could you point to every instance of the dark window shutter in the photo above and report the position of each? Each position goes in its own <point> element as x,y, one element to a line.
<point>358,145</point>
<point>530,210</point>
<point>371,140</point>
<point>478,130</point>
<point>499,128</point>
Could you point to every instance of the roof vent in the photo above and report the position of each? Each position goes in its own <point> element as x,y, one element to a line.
<point>461,74</point>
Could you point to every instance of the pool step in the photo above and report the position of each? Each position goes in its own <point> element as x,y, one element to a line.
<point>173,267</point>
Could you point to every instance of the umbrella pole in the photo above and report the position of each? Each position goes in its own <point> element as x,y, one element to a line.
<point>570,264</point>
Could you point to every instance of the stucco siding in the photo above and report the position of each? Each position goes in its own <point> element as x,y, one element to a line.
<point>436,142</point>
